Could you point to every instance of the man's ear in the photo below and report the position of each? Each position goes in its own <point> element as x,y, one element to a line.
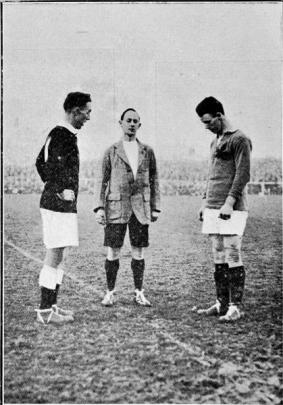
<point>76,110</point>
<point>139,124</point>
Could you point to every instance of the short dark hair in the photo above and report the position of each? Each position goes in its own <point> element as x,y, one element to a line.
<point>209,105</point>
<point>128,109</point>
<point>76,99</point>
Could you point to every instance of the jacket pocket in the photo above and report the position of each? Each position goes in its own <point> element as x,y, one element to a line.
<point>113,206</point>
<point>146,204</point>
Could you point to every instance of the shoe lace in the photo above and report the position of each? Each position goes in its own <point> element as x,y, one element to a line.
<point>47,315</point>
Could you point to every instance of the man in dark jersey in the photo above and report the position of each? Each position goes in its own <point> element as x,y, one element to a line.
<point>224,209</point>
<point>58,167</point>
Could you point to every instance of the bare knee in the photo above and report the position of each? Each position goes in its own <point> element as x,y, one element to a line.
<point>234,254</point>
<point>54,257</point>
<point>233,250</point>
<point>137,253</point>
<point>218,248</point>
<point>113,253</point>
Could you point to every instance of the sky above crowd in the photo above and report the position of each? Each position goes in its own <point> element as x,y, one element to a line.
<point>159,58</point>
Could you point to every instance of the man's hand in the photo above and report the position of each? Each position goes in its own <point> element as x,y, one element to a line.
<point>67,195</point>
<point>154,216</point>
<point>200,212</point>
<point>100,217</point>
<point>227,208</point>
<point>225,211</point>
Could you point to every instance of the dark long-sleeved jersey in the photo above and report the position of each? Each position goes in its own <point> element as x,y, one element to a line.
<point>229,170</point>
<point>60,170</point>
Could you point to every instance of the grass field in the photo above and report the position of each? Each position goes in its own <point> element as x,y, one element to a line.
<point>128,354</point>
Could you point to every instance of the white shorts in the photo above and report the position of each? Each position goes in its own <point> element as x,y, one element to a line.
<point>233,226</point>
<point>60,229</point>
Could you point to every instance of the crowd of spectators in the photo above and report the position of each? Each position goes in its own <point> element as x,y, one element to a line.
<point>176,177</point>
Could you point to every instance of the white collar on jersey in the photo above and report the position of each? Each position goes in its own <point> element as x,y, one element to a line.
<point>68,126</point>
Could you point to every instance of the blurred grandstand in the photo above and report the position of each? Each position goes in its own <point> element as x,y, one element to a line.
<point>176,177</point>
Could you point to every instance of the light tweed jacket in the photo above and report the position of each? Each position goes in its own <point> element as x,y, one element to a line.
<point>120,194</point>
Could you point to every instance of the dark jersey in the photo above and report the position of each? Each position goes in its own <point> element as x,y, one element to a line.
<point>58,167</point>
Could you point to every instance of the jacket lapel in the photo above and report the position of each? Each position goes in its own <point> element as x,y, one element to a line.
<point>141,152</point>
<point>121,152</point>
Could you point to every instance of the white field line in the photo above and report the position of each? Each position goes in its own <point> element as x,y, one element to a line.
<point>23,252</point>
<point>76,280</point>
<point>193,351</point>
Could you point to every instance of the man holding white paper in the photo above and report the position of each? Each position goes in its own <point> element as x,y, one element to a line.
<point>224,209</point>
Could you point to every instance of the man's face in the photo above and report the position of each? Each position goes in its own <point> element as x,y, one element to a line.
<point>214,124</point>
<point>130,123</point>
<point>81,115</point>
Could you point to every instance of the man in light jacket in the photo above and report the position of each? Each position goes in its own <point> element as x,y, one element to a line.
<point>128,196</point>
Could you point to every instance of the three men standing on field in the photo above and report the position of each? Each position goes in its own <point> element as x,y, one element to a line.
<point>128,196</point>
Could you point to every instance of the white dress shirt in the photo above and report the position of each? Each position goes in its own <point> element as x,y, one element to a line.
<point>132,152</point>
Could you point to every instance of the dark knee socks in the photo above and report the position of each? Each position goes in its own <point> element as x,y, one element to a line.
<point>138,271</point>
<point>47,298</point>
<point>237,284</point>
<point>230,283</point>
<point>221,277</point>
<point>56,291</point>
<point>111,268</point>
